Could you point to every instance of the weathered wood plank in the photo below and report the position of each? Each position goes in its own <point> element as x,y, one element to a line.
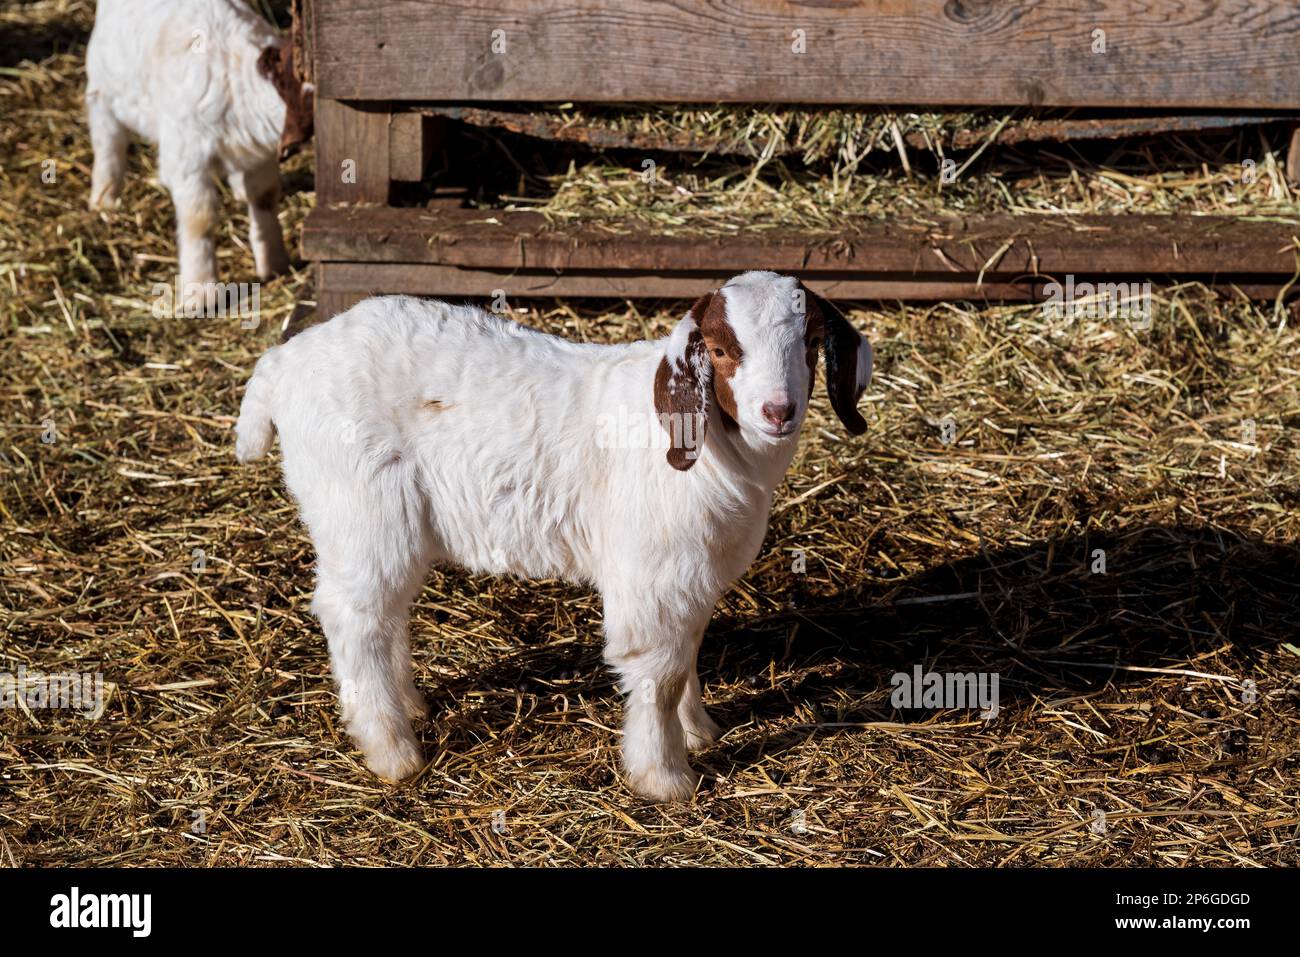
<point>352,152</point>
<point>996,245</point>
<point>329,303</point>
<point>431,280</point>
<point>330,300</point>
<point>1219,54</point>
<point>410,146</point>
<point>350,282</point>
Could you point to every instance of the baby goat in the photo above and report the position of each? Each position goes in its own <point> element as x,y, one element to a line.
<point>416,432</point>
<point>213,85</point>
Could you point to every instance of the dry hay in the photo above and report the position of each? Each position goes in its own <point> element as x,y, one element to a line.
<point>1122,692</point>
<point>726,197</point>
<point>856,165</point>
<point>838,137</point>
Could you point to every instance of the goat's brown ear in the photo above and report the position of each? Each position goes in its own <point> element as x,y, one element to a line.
<point>683,384</point>
<point>848,362</point>
<point>276,64</point>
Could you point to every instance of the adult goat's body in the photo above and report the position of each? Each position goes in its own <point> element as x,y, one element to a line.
<point>417,432</point>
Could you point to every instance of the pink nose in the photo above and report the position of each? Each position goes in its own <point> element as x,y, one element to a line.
<point>779,414</point>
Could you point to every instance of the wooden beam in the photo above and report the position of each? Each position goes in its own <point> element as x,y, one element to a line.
<point>329,301</point>
<point>996,246</point>
<point>429,280</point>
<point>347,283</point>
<point>410,146</point>
<point>352,152</point>
<point>1215,54</point>
<point>1293,157</point>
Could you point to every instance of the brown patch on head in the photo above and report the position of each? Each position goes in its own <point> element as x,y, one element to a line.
<point>724,353</point>
<point>276,63</point>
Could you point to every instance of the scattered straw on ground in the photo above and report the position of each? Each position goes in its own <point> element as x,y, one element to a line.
<point>1149,714</point>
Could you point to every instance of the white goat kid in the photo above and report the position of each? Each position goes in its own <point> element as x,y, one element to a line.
<point>213,85</point>
<point>416,432</point>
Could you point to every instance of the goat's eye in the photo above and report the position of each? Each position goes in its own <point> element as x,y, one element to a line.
<point>719,353</point>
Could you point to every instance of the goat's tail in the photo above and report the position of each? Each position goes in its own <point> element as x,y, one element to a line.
<point>255,428</point>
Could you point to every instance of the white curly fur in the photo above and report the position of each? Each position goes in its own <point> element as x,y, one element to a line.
<point>416,432</point>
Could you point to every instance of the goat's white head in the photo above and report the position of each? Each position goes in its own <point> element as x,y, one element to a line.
<point>751,348</point>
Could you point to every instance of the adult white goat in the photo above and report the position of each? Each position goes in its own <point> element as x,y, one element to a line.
<point>213,85</point>
<point>416,432</point>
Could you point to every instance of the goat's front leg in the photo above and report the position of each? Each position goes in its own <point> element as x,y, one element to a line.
<point>653,652</point>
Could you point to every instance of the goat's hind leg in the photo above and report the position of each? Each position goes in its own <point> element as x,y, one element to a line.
<point>372,557</point>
